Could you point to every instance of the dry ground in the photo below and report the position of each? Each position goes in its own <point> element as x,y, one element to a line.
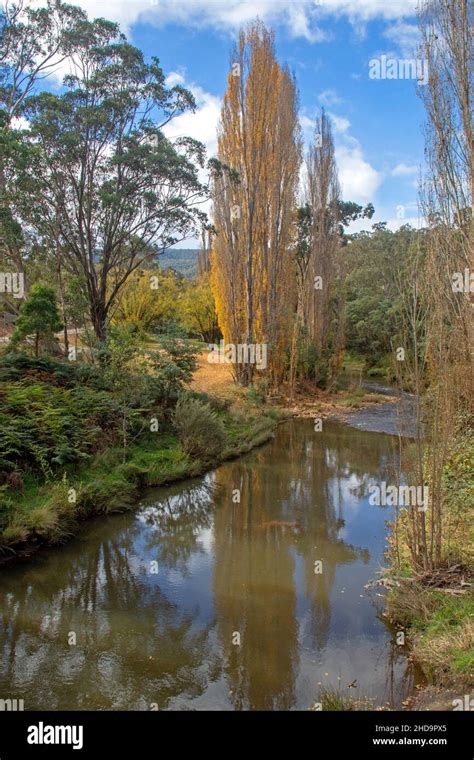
<point>307,401</point>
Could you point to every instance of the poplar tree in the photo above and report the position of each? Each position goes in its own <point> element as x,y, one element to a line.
<point>259,139</point>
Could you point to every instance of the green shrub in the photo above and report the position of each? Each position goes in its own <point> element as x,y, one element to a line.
<point>255,396</point>
<point>14,534</point>
<point>173,365</point>
<point>200,431</point>
<point>217,403</point>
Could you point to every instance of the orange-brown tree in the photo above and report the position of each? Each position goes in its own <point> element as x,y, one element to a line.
<point>259,138</point>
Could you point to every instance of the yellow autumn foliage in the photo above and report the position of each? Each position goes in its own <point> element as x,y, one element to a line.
<point>148,299</point>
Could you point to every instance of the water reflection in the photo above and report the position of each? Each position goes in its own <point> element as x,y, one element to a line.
<point>156,598</point>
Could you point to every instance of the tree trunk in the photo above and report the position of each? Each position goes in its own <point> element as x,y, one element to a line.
<point>99,321</point>
<point>63,305</point>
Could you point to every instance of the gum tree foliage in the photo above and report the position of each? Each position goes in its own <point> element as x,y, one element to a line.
<point>320,249</point>
<point>114,190</point>
<point>34,42</point>
<point>143,307</point>
<point>376,261</point>
<point>197,310</point>
<point>347,212</point>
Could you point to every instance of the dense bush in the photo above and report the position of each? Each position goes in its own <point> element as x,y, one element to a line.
<point>15,366</point>
<point>377,262</point>
<point>43,426</point>
<point>57,413</point>
<point>199,429</point>
<point>217,403</point>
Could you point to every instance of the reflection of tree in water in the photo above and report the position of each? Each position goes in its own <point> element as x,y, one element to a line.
<point>176,522</point>
<point>254,595</point>
<point>366,458</point>
<point>316,501</point>
<point>299,480</point>
<point>134,646</point>
<point>401,673</point>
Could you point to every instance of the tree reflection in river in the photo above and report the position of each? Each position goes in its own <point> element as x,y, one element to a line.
<point>135,647</point>
<point>168,638</point>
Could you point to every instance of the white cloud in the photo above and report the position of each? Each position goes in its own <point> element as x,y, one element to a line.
<point>298,15</point>
<point>394,223</point>
<point>404,170</point>
<point>359,180</point>
<point>300,24</point>
<point>406,36</point>
<point>365,10</point>
<point>174,78</point>
<point>329,98</point>
<point>202,124</point>
<point>340,123</point>
<point>301,17</point>
<point>19,122</point>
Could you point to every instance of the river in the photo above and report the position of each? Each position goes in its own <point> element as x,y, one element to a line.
<point>244,589</point>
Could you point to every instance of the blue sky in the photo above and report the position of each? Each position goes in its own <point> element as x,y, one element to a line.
<point>328,44</point>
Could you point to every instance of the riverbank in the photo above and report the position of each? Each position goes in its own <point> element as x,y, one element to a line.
<point>50,513</point>
<point>74,445</point>
<point>306,401</point>
<point>436,608</point>
<point>439,627</point>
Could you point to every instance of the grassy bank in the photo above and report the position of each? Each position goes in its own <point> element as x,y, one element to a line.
<point>51,512</point>
<point>74,445</point>
<point>436,608</point>
<point>440,628</point>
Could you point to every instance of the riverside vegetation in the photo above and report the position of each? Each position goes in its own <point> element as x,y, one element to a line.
<point>75,444</point>
<point>97,396</point>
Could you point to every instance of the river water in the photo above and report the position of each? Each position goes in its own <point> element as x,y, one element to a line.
<point>197,600</point>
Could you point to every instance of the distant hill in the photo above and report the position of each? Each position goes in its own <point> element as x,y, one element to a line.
<point>184,260</point>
